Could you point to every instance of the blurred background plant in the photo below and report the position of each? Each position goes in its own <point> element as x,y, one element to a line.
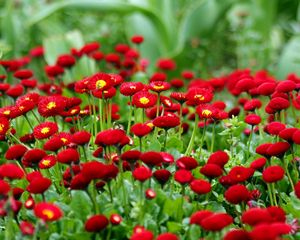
<point>207,36</point>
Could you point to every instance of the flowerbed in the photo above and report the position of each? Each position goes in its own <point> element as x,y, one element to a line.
<point>123,155</point>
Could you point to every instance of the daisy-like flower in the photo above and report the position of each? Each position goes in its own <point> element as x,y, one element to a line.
<point>47,162</point>
<point>179,97</point>
<point>47,211</point>
<point>166,122</point>
<point>51,106</point>
<point>159,86</point>
<point>100,81</point>
<point>196,96</point>
<point>144,99</point>
<point>45,130</point>
<point>4,125</point>
<point>206,111</point>
<point>130,88</point>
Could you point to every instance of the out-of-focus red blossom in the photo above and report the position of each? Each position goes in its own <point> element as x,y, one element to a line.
<point>130,88</point>
<point>278,149</point>
<point>39,185</point>
<point>4,187</point>
<point>47,211</point>
<point>68,156</point>
<point>273,174</point>
<point>38,51</point>
<point>183,176</point>
<point>110,137</point>
<point>187,163</point>
<point>89,48</point>
<point>27,228</point>
<point>211,170</point>
<point>142,235</point>
<point>151,158</point>
<point>216,222</point>
<point>11,171</point>
<point>96,223</point>
<point>219,158</point>
<point>150,194</point>
<point>200,186</point>
<point>269,231</point>
<point>166,64</point>
<point>137,39</point>
<point>15,91</point>
<point>15,152</point>
<point>167,236</point>
<point>54,71</point>
<point>196,96</point>
<point>142,174</point>
<point>297,189</point>
<point>81,137</point>
<point>23,74</point>
<point>140,129</point>
<point>252,119</point>
<point>237,234</point>
<point>258,163</point>
<point>274,128</point>
<point>237,194</point>
<point>65,61</point>
<point>166,122</point>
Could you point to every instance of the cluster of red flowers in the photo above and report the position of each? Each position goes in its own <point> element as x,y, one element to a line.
<point>60,137</point>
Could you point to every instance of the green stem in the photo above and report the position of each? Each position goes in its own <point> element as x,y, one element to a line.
<point>158,104</point>
<point>165,140</point>
<point>180,123</point>
<point>191,143</point>
<point>249,143</point>
<point>130,116</point>
<point>29,123</point>
<point>202,138</point>
<point>270,194</point>
<point>213,138</point>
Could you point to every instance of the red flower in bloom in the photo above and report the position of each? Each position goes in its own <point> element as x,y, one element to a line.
<point>162,176</point>
<point>51,106</point>
<point>253,119</point>
<point>258,163</point>
<point>262,149</point>
<point>96,223</point>
<point>295,138</point>
<point>216,222</point>
<point>33,156</point>
<point>236,194</point>
<point>167,236</point>
<point>278,103</point>
<point>211,170</point>
<point>115,219</point>
<point>252,104</point>
<point>179,97</point>
<point>53,144</point>
<point>47,211</point>
<point>277,214</point>
<point>65,61</point>
<point>137,39</point>
<point>142,235</point>
<point>23,74</point>
<point>278,149</point>
<point>68,156</point>
<point>94,170</point>
<point>166,121</point>
<point>198,217</point>
<point>4,187</point>
<point>206,111</point>
<point>47,162</point>
<point>159,86</point>
<point>54,71</point>
<point>200,186</point>
<point>15,91</point>
<point>110,137</point>
<point>11,171</point>
<point>144,99</point>
<point>187,163</point>
<point>264,232</point>
<point>89,48</point>
<point>27,228</point>
<point>4,125</point>
<point>142,174</point>
<point>130,88</point>
<point>151,158</point>
<point>81,137</point>
<point>255,216</point>
<point>100,81</point>
<point>166,64</point>
<point>15,152</point>
<point>285,86</point>
<point>237,234</point>
<point>150,194</point>
<point>274,128</point>
<point>287,134</point>
<point>39,185</point>
<point>273,174</point>
<point>140,129</point>
<point>183,176</point>
<point>297,189</point>
<point>219,158</point>
<point>131,156</point>
<point>240,174</point>
<point>196,96</point>
<point>37,51</point>
<point>45,130</point>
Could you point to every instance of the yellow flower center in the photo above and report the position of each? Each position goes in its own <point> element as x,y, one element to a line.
<point>144,100</point>
<point>1,127</point>
<point>21,108</point>
<point>158,87</point>
<point>199,96</point>
<point>132,87</point>
<point>46,162</point>
<point>45,130</point>
<point>51,105</point>
<point>7,112</point>
<point>73,111</point>
<point>48,213</point>
<point>100,84</point>
<point>64,140</point>
<point>206,113</point>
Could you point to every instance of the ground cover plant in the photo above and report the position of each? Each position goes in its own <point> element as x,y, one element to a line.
<point>119,155</point>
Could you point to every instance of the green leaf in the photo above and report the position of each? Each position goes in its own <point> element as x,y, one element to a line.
<point>194,232</point>
<point>81,204</point>
<point>174,227</point>
<point>176,143</point>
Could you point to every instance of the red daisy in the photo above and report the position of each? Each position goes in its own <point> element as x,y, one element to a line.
<point>45,130</point>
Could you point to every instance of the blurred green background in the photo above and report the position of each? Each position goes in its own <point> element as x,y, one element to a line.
<point>207,36</point>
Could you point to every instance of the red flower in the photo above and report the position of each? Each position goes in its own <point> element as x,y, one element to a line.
<point>33,156</point>
<point>15,152</point>
<point>262,149</point>
<point>54,71</point>
<point>199,216</point>
<point>166,64</point>
<point>200,186</point>
<point>15,91</point>
<point>140,129</point>
<point>166,122</point>
<point>252,119</point>
<point>167,236</point>
<point>159,86</point>
<point>187,163</point>
<point>51,106</point>
<point>196,96</point>
<point>142,235</point>
<point>263,232</point>
<point>47,211</point>
<point>278,103</point>
<point>100,81</point>
<point>297,189</point>
<point>130,88</point>
<point>237,234</point>
<point>278,149</point>
<point>150,194</point>
<point>273,174</point>
<point>45,130</point>
<point>285,86</point>
<point>137,39</point>
<point>68,156</point>
<point>240,174</point>
<point>277,214</point>
<point>39,185</point>
<point>274,128</point>
<point>236,194</point>
<point>183,176</point>
<point>89,48</point>
<point>151,158</point>
<point>96,223</point>
<point>4,125</point>
<point>27,228</point>
<point>110,137</point>
<point>216,222</point>
<point>266,89</point>
<point>94,170</point>
<point>252,104</point>
<point>65,61</point>
<point>37,51</point>
<point>11,171</point>
<point>81,137</point>
<point>23,74</point>
<point>258,163</point>
<point>219,158</point>
<point>4,188</point>
<point>296,137</point>
<point>162,176</point>
<point>47,162</point>
<point>144,99</point>
<point>115,219</point>
<point>211,170</point>
<point>255,216</point>
<point>53,144</point>
<point>141,174</point>
<point>287,134</point>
